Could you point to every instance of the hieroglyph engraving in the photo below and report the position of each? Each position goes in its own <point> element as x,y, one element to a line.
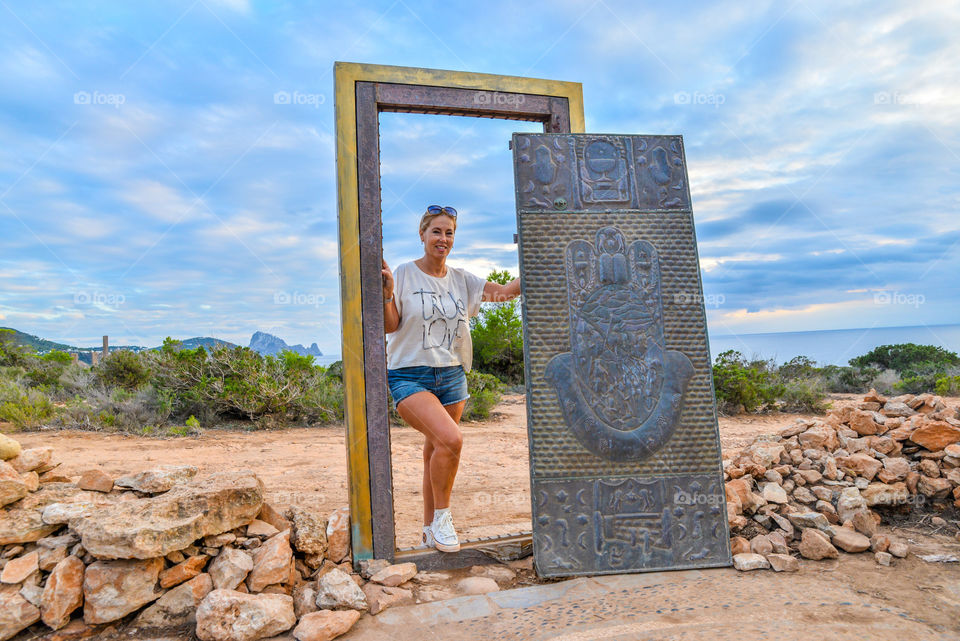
<point>620,389</point>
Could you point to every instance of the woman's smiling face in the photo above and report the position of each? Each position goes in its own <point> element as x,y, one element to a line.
<point>438,237</point>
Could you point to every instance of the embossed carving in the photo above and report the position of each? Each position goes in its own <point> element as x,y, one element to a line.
<point>620,389</point>
<point>609,525</point>
<point>661,175</point>
<point>602,163</point>
<point>543,174</point>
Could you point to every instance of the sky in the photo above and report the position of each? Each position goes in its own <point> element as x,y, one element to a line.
<point>152,185</point>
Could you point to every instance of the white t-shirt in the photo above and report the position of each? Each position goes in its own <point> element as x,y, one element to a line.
<point>434,317</point>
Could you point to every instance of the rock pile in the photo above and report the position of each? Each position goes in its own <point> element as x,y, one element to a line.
<point>164,549</point>
<point>810,489</point>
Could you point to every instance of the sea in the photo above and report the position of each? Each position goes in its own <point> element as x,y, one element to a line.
<point>835,346</point>
<point>826,347</point>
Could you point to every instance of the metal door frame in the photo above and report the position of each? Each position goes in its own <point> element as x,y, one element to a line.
<point>361,92</point>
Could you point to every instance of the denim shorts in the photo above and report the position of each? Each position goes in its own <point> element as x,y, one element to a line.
<point>448,384</point>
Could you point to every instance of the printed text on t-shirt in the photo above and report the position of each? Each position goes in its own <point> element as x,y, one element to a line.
<point>441,326</point>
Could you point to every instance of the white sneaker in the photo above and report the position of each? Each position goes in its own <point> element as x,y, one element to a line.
<point>444,536</point>
<point>427,536</point>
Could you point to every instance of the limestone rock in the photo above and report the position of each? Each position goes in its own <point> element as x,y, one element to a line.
<point>261,528</point>
<point>325,625</point>
<point>883,494</point>
<point>739,545</point>
<point>22,521</point>
<point>750,561</point>
<point>850,540</point>
<point>783,562</point>
<point>178,606</point>
<point>935,435</point>
<point>227,615</point>
<point>17,570</point>
<point>9,448</point>
<point>152,527</point>
<point>763,453</point>
<point>865,524</point>
<point>158,480</point>
<point>820,436</point>
<point>12,486</point>
<point>369,567</point>
<point>936,488</point>
<point>862,423</point>
<point>32,480</point>
<point>761,545</point>
<point>32,459</point>
<point>309,531</point>
<point>305,599</point>
<point>883,558</point>
<point>895,468</point>
<point>49,557</point>
<point>809,520</point>
<point>860,464</point>
<point>95,480</point>
<point>381,597</point>
<point>271,516</point>
<point>898,549</point>
<point>183,571</point>
<point>477,585</point>
<point>394,575</point>
<point>229,569</point>
<point>849,503</point>
<point>815,545</point>
<point>773,493</point>
<point>63,592</point>
<point>114,589</point>
<point>336,590</point>
<point>338,534</point>
<point>896,408</point>
<point>16,613</point>
<point>271,562</point>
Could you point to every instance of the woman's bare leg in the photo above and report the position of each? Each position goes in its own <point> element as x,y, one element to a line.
<point>455,411</point>
<point>424,412</point>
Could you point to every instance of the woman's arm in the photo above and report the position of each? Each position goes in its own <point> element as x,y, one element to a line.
<point>497,293</point>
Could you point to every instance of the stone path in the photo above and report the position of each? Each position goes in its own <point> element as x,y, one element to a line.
<point>695,605</point>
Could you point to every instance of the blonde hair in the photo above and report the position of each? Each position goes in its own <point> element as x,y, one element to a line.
<point>427,217</point>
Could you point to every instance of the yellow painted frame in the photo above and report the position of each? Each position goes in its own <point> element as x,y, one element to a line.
<point>346,75</point>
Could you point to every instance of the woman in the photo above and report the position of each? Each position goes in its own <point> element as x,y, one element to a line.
<point>429,352</point>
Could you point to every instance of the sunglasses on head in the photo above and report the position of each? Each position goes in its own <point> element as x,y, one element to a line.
<point>437,209</point>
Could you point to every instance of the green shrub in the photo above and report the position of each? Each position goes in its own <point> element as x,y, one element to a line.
<point>123,369</point>
<point>28,410</point>
<point>803,395</point>
<point>497,335</point>
<point>948,386</point>
<point>739,384</point>
<point>485,391</point>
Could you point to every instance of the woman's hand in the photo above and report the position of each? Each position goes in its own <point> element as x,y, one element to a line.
<point>387,280</point>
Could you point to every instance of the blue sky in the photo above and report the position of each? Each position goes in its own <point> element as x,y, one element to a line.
<point>151,186</point>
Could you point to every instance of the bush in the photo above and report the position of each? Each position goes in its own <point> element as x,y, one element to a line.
<point>804,395</point>
<point>948,386</point>
<point>27,410</point>
<point>497,335</point>
<point>739,384</point>
<point>485,391</point>
<point>848,380</point>
<point>124,369</point>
